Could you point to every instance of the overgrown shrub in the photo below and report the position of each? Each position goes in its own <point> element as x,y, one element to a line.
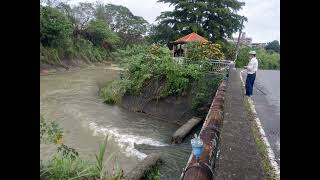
<point>49,55</point>
<point>66,167</point>
<point>66,163</point>
<point>114,90</point>
<point>98,32</point>
<point>198,51</point>
<point>266,59</point>
<point>152,174</point>
<point>228,49</point>
<point>204,88</point>
<point>63,36</point>
<point>50,132</point>
<point>66,151</point>
<point>148,64</point>
<point>55,28</point>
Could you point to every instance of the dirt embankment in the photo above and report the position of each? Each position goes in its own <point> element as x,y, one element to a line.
<point>175,109</point>
<point>67,65</point>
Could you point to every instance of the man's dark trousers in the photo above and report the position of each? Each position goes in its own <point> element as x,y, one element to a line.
<point>249,83</point>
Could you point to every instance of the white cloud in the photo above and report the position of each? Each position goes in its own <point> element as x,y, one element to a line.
<point>263,19</point>
<point>263,15</point>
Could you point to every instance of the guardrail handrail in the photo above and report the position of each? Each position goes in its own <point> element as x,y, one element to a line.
<point>218,65</point>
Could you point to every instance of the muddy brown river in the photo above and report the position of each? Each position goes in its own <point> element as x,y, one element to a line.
<point>72,100</point>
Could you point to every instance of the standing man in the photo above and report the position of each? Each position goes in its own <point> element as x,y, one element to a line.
<point>251,72</point>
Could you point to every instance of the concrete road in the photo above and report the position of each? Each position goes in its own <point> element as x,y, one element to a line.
<point>266,98</point>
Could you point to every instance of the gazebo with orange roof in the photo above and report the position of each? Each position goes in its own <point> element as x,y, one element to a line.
<point>181,51</point>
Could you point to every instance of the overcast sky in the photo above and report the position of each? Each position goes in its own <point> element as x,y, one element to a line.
<point>263,15</point>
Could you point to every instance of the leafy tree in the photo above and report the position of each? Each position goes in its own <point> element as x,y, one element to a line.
<point>267,60</point>
<point>213,19</point>
<point>228,49</point>
<point>98,33</point>
<point>69,12</point>
<point>55,27</point>
<point>274,45</point>
<point>243,57</point>
<point>92,38</point>
<point>162,34</point>
<point>130,28</point>
<point>102,14</point>
<point>83,13</point>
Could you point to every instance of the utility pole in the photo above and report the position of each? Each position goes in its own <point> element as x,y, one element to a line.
<point>238,43</point>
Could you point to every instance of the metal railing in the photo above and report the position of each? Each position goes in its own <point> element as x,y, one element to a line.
<point>221,66</point>
<point>217,66</point>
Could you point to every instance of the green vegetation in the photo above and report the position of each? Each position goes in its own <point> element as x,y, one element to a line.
<point>228,49</point>
<point>204,89</point>
<point>269,171</point>
<point>213,19</point>
<point>261,146</point>
<point>92,31</point>
<point>129,27</point>
<point>273,46</point>
<point>152,174</point>
<point>95,32</point>
<point>66,163</point>
<point>50,132</point>
<point>88,32</point>
<point>198,51</point>
<point>266,59</point>
<point>148,64</point>
<point>114,90</point>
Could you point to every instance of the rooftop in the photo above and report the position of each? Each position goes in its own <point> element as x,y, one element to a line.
<point>191,37</point>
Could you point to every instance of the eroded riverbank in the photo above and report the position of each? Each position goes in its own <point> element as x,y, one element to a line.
<point>72,99</point>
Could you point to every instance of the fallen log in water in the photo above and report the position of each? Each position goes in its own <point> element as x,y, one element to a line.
<point>146,164</point>
<point>184,130</point>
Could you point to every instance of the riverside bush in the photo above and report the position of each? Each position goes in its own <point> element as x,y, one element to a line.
<point>114,90</point>
<point>266,59</point>
<point>148,64</point>
<point>50,132</point>
<point>204,89</point>
<point>62,38</point>
<point>152,174</point>
<point>66,163</point>
<point>198,51</point>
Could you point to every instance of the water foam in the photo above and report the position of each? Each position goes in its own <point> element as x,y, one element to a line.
<point>126,141</point>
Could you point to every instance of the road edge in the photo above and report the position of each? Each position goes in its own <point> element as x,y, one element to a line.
<point>270,152</point>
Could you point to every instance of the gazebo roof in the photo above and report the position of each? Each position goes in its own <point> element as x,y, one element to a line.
<point>191,37</point>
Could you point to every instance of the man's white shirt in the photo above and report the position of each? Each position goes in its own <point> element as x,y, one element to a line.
<point>252,66</point>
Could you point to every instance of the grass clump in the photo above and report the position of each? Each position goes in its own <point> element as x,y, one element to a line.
<point>66,163</point>
<point>114,90</point>
<point>66,167</point>
<point>261,146</point>
<point>50,132</point>
<point>152,174</point>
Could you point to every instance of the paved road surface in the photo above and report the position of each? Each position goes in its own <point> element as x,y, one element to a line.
<point>238,157</point>
<point>266,97</point>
